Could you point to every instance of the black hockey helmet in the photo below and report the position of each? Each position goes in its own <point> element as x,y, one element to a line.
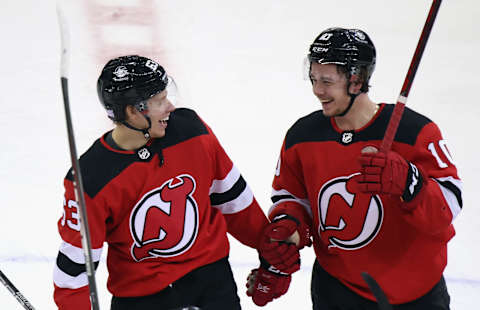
<point>129,80</point>
<point>351,48</point>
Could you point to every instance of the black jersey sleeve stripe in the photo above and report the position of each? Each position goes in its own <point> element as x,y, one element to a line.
<point>71,268</point>
<point>235,191</point>
<point>277,198</point>
<point>454,189</point>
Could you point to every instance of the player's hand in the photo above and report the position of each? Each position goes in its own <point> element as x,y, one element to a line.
<point>389,173</point>
<point>285,227</point>
<point>280,243</point>
<point>264,284</point>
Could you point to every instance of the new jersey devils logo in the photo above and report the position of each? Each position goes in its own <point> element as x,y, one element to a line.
<point>164,223</point>
<point>349,221</point>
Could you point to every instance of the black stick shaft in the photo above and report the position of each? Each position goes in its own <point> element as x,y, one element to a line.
<point>77,175</point>
<point>15,292</point>
<point>79,194</point>
<point>377,291</point>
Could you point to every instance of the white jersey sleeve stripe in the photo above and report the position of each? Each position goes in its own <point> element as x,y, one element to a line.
<point>223,185</point>
<point>76,254</point>
<point>452,192</point>
<point>63,280</point>
<point>69,270</point>
<point>238,204</point>
<point>231,194</point>
<point>280,196</point>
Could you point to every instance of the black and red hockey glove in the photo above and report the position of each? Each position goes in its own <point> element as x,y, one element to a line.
<point>389,173</point>
<point>277,247</point>
<point>266,283</point>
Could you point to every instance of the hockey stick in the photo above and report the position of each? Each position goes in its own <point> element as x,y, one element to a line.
<point>407,84</point>
<point>15,292</point>
<point>77,181</point>
<point>377,291</point>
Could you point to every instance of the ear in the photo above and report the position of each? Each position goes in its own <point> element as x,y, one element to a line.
<point>355,85</point>
<point>130,112</point>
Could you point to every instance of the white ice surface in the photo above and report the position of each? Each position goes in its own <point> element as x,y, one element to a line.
<point>239,64</point>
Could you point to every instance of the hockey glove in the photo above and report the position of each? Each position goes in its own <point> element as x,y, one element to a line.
<point>389,173</point>
<point>286,225</point>
<point>277,246</point>
<point>266,283</point>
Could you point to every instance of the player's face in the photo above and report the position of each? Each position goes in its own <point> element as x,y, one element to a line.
<point>159,109</point>
<point>330,87</point>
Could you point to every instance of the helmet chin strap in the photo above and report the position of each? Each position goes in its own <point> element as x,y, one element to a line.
<point>352,78</point>
<point>352,99</point>
<point>145,132</point>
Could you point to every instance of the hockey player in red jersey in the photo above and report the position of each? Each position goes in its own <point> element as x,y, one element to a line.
<point>385,213</point>
<point>162,193</point>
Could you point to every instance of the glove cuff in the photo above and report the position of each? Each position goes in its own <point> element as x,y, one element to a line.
<point>284,216</point>
<point>414,183</point>
<point>268,267</point>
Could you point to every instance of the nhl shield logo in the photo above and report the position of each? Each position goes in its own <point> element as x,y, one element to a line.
<point>347,137</point>
<point>143,153</point>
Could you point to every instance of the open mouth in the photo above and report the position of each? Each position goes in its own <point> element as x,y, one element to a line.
<point>164,121</point>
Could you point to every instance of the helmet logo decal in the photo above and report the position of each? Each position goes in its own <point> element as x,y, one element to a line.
<point>151,64</point>
<point>120,74</point>
<point>359,35</point>
<point>317,49</point>
<point>164,222</point>
<point>326,36</point>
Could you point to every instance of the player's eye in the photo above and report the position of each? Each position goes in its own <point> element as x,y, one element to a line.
<point>327,82</point>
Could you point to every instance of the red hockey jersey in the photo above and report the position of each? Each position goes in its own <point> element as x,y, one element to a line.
<point>403,247</point>
<point>164,210</point>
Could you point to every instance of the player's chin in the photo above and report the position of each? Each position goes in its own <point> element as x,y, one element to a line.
<point>328,112</point>
<point>328,109</point>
